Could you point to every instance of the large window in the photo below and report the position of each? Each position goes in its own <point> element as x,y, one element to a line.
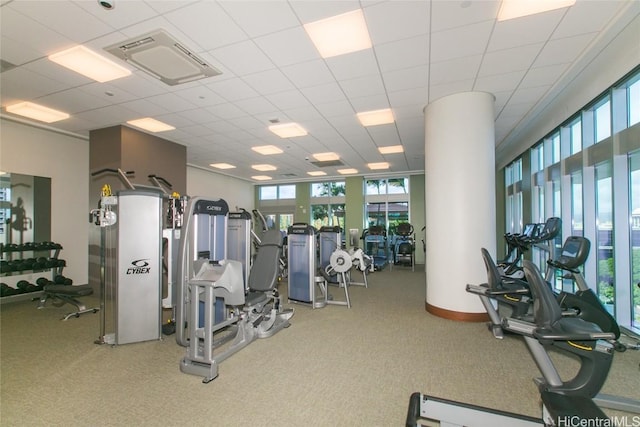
<point>387,203</point>
<point>276,192</point>
<point>589,190</point>
<point>634,210</point>
<point>327,203</point>
<point>602,113</point>
<point>604,236</point>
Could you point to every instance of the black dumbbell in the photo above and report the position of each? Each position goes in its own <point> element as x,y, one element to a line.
<point>22,285</point>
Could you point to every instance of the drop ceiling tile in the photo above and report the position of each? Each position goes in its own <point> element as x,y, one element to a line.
<point>73,100</point>
<point>302,114</point>
<point>541,76</point>
<point>27,85</point>
<point>65,18</point>
<point>587,16</point>
<point>332,109</point>
<point>177,102</point>
<point>288,47</point>
<point>356,64</point>
<point>442,90</point>
<point>323,94</point>
<point>464,68</point>
<point>126,13</point>
<point>407,97</point>
<point>460,42</point>
<point>371,102</point>
<point>370,85</point>
<point>145,108</point>
<point>248,122</point>
<point>507,60</point>
<point>254,106</point>
<point>288,99</point>
<point>47,40</point>
<point>208,23</point>
<point>196,130</point>
<point>413,16</point>
<point>311,11</point>
<point>453,14</point>
<point>232,89</point>
<point>18,52</point>
<point>257,18</point>
<point>564,50</point>
<point>111,115</point>
<point>499,82</point>
<point>226,111</point>
<point>310,73</point>
<point>524,31</point>
<point>408,78</point>
<point>529,95</point>
<point>405,53</point>
<point>270,81</point>
<point>243,58</point>
<point>199,95</point>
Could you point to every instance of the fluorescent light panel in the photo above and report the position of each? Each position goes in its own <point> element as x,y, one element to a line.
<point>152,125</point>
<point>88,63</point>
<point>376,117</point>
<point>391,149</point>
<point>37,112</point>
<point>267,149</point>
<point>326,157</point>
<point>339,34</point>
<point>511,9</point>
<point>222,166</point>
<point>288,130</point>
<point>379,165</point>
<point>261,177</point>
<point>316,173</point>
<point>347,171</point>
<point>263,168</point>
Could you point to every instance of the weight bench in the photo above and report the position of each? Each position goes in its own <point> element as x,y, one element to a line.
<point>65,294</point>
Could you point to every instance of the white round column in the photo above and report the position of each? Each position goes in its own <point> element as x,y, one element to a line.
<point>460,201</point>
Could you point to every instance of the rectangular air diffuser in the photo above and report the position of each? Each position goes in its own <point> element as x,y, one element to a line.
<point>160,55</point>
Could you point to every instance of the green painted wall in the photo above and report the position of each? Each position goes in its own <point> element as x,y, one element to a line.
<point>354,205</point>
<point>303,202</point>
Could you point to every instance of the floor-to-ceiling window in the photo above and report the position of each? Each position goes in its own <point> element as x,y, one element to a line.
<point>634,238</point>
<point>604,236</point>
<point>593,184</point>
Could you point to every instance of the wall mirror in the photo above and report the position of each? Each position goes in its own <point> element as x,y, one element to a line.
<point>25,209</point>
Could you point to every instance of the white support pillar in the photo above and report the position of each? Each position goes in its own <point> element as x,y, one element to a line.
<point>460,201</point>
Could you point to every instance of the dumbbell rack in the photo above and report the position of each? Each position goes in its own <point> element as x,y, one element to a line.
<point>14,252</point>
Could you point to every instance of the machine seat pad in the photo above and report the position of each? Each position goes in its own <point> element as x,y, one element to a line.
<point>76,291</point>
<point>256,298</point>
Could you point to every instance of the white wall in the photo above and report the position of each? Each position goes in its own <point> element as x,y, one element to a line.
<point>236,192</point>
<point>65,159</point>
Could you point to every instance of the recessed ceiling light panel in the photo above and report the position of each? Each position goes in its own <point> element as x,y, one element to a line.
<point>37,112</point>
<point>391,149</point>
<point>152,125</point>
<point>511,9</point>
<point>316,173</point>
<point>264,168</point>
<point>261,177</point>
<point>339,34</point>
<point>347,171</point>
<point>267,150</point>
<point>288,130</point>
<point>160,55</point>
<point>376,117</point>
<point>378,166</point>
<point>326,157</point>
<point>222,166</point>
<point>84,61</point>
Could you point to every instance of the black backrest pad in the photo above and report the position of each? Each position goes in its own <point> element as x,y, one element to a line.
<point>546,309</point>
<point>266,266</point>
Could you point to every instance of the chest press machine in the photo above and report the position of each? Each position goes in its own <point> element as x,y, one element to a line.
<point>212,306</point>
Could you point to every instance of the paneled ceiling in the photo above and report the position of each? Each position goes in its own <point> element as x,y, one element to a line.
<point>422,50</point>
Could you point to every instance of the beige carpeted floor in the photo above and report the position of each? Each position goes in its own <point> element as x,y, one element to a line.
<point>333,367</point>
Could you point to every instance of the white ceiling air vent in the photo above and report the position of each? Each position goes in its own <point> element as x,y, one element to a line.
<point>160,55</point>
